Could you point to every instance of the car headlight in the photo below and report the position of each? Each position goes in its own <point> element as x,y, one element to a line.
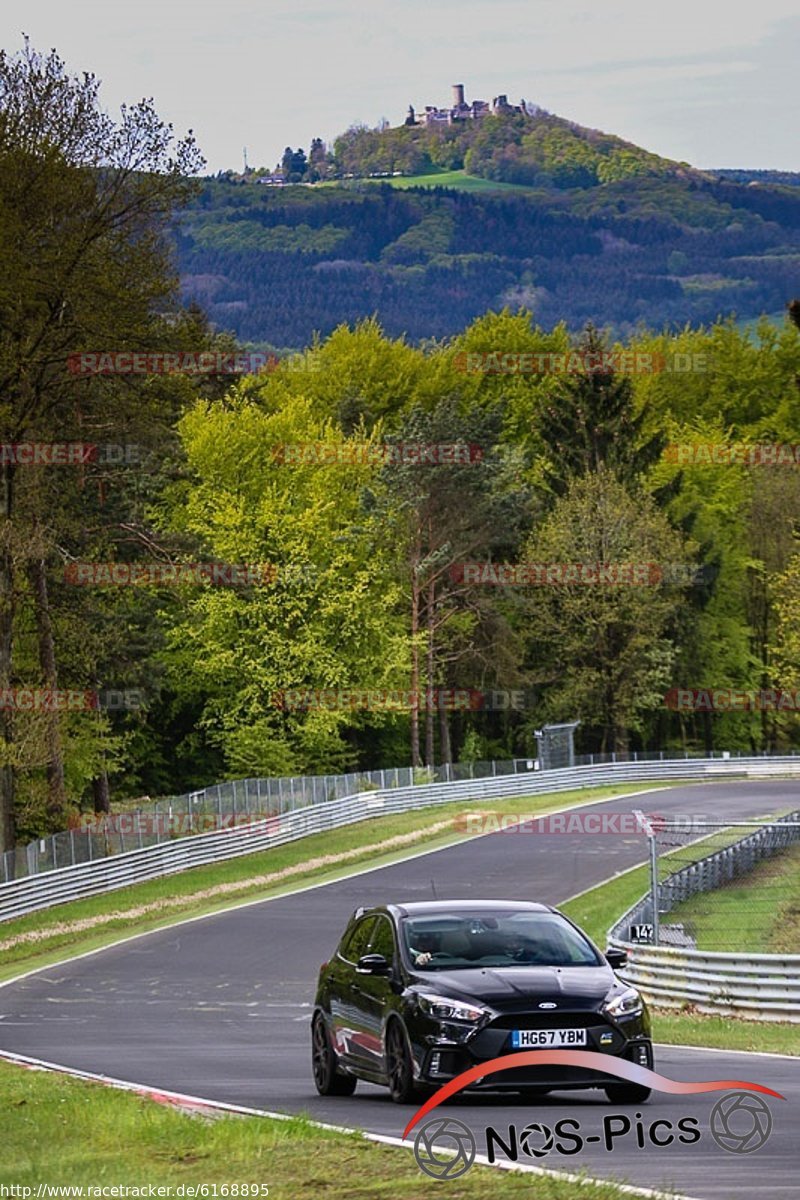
<point>445,1009</point>
<point>624,1004</point>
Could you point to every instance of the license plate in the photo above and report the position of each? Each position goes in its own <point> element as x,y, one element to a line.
<point>527,1039</point>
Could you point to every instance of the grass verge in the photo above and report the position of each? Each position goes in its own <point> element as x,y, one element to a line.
<point>63,1132</point>
<point>760,909</point>
<point>45,937</point>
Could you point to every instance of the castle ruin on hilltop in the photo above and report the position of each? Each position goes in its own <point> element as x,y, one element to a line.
<point>460,110</point>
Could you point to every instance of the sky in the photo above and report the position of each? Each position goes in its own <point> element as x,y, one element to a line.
<point>710,83</point>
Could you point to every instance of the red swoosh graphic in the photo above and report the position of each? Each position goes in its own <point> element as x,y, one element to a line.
<point>590,1060</point>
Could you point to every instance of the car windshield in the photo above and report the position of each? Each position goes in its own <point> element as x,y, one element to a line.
<point>500,939</point>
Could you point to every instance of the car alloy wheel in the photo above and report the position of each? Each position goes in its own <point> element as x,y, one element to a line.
<point>323,1060</point>
<point>399,1066</point>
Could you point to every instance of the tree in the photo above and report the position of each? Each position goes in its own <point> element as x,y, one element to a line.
<point>591,422</point>
<point>84,264</point>
<point>601,650</point>
<point>293,164</point>
<point>322,620</point>
<point>787,641</point>
<point>437,516</point>
<point>318,163</point>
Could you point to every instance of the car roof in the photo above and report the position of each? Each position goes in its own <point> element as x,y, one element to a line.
<point>439,908</point>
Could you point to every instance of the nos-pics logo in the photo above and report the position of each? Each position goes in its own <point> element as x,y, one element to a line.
<point>445,1148</point>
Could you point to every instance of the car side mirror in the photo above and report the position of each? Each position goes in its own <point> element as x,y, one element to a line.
<point>373,964</point>
<point>616,958</point>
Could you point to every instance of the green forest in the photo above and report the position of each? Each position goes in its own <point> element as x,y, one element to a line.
<point>278,265</point>
<point>318,471</point>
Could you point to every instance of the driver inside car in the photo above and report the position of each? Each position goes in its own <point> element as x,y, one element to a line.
<point>427,944</point>
<point>525,950</point>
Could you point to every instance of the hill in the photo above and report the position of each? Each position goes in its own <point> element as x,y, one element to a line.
<point>513,210</point>
<point>526,146</point>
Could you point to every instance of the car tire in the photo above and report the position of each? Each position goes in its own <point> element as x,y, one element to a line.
<point>399,1065</point>
<point>324,1063</point>
<point>627,1093</point>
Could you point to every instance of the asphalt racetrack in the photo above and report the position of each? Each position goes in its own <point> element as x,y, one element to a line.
<point>219,1007</point>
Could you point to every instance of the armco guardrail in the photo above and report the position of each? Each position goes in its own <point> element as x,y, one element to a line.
<point>764,987</point>
<point>220,806</point>
<point>240,801</point>
<point>761,987</point>
<point>104,875</point>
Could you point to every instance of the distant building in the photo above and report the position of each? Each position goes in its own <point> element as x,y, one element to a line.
<point>461,110</point>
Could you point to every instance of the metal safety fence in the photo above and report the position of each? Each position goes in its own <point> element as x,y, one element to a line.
<point>222,806</point>
<point>242,801</point>
<point>89,878</point>
<point>718,930</point>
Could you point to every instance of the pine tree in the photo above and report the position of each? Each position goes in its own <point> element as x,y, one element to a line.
<point>591,423</point>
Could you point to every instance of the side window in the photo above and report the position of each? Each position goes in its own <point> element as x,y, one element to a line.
<point>382,941</point>
<point>357,941</point>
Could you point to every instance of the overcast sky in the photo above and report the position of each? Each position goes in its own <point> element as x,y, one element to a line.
<point>700,80</point>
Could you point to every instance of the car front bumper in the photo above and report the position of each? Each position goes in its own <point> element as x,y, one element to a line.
<point>443,1058</point>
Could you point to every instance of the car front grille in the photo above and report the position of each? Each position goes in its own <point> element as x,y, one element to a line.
<point>550,1019</point>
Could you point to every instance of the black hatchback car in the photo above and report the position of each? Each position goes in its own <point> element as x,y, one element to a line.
<point>417,993</point>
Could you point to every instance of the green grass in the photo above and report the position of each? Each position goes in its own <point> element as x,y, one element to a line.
<point>452,179</point>
<point>724,1033</point>
<point>63,1131</point>
<point>761,909</point>
<point>597,910</point>
<point>51,934</point>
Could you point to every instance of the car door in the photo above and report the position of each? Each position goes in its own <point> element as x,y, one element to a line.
<point>374,994</point>
<point>346,1006</point>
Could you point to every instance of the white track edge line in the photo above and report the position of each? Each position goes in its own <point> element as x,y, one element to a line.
<point>795,1058</point>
